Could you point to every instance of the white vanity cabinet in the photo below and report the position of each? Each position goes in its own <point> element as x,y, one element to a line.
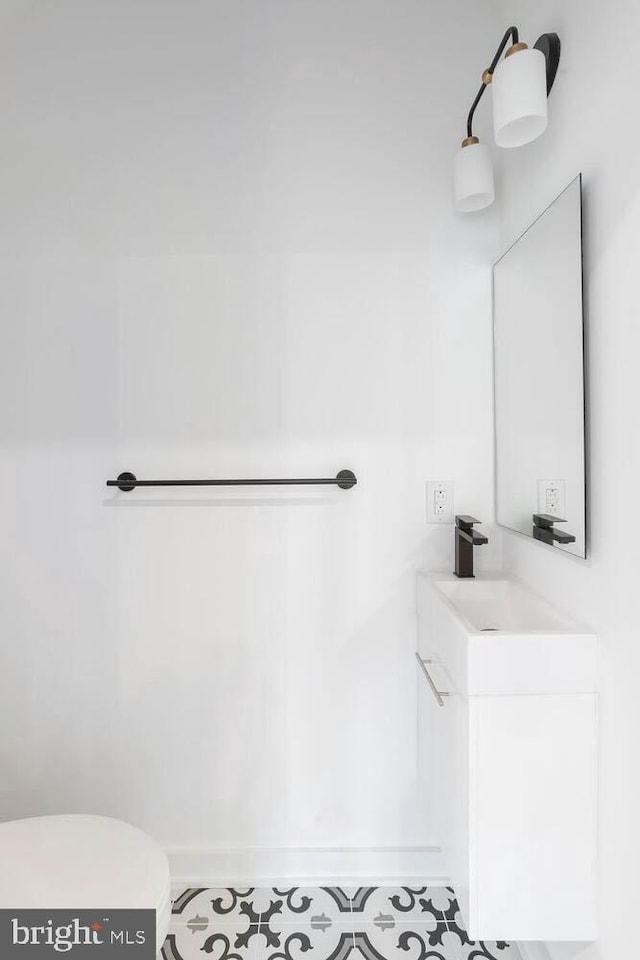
<point>508,756</point>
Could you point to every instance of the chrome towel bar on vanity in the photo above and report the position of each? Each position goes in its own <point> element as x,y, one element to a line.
<point>345,479</point>
<point>438,694</point>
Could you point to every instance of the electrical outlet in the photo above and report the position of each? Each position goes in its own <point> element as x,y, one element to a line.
<point>552,497</point>
<point>440,501</point>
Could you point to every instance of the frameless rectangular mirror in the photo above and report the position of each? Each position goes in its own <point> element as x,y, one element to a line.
<point>539,379</point>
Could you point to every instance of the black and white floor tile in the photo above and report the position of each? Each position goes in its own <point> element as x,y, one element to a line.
<point>323,923</point>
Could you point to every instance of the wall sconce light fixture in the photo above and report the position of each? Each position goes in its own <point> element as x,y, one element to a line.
<point>521,84</point>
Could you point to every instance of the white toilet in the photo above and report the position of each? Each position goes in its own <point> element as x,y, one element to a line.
<point>80,861</point>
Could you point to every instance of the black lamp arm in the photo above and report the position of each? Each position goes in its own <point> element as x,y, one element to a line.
<point>511,34</point>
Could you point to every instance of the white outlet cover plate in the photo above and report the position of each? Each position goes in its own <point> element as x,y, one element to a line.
<point>552,497</point>
<point>440,507</point>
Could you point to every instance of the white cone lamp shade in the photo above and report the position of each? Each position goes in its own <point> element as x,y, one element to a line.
<point>519,86</point>
<point>473,185</point>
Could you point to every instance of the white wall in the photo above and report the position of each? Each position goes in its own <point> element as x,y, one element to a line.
<point>227,247</point>
<point>591,130</point>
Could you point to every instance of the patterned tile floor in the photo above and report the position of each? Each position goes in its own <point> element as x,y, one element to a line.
<point>327,923</point>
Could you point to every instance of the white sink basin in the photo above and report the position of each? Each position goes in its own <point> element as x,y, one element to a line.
<point>494,635</point>
<point>505,605</point>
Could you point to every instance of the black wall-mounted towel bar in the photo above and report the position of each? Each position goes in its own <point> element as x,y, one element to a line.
<point>345,479</point>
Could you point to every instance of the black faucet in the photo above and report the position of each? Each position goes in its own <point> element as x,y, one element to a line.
<point>466,539</point>
<point>544,530</point>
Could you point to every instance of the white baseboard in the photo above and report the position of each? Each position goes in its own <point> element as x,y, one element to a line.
<point>534,951</point>
<point>306,866</point>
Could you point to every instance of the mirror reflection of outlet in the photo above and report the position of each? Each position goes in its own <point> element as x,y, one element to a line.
<point>440,501</point>
<point>552,497</point>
